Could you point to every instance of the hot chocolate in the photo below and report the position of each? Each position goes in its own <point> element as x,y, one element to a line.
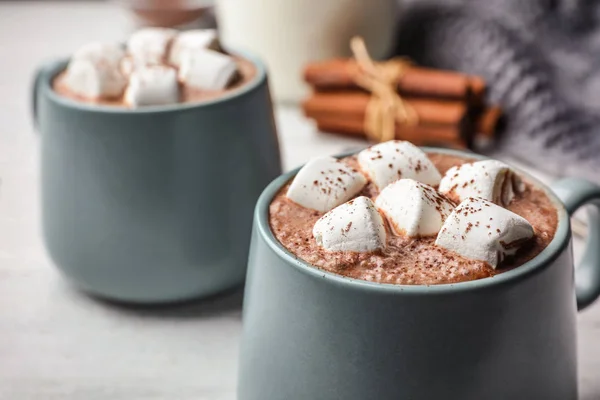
<point>157,66</point>
<point>470,220</point>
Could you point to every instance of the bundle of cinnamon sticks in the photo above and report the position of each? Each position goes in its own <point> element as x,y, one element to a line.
<point>450,106</point>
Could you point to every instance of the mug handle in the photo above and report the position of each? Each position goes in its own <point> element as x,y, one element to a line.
<point>35,88</point>
<point>575,193</point>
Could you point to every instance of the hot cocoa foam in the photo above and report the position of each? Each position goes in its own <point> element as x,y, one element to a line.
<point>405,260</point>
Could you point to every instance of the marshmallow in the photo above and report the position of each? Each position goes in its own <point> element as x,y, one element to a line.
<point>389,161</point>
<point>127,66</point>
<point>413,209</point>
<point>100,52</point>
<point>207,70</point>
<point>353,226</point>
<point>152,85</point>
<point>94,72</point>
<point>324,183</point>
<point>490,180</point>
<point>149,46</point>
<point>94,81</point>
<point>481,230</point>
<point>192,41</point>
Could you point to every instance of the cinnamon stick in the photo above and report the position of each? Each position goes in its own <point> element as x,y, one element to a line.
<point>449,136</point>
<point>477,89</point>
<point>338,74</point>
<point>354,104</point>
<point>488,122</point>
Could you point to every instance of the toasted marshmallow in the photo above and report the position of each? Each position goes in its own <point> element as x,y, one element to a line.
<point>389,161</point>
<point>490,180</point>
<point>192,41</point>
<point>94,72</point>
<point>413,209</point>
<point>353,226</point>
<point>324,183</point>
<point>207,70</point>
<point>481,230</point>
<point>152,85</point>
<point>150,46</point>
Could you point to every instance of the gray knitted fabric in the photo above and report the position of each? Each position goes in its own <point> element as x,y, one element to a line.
<point>541,59</point>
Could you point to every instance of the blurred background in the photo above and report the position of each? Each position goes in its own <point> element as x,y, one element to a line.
<point>538,60</point>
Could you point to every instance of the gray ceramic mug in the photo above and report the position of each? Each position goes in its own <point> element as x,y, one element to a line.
<point>311,334</point>
<point>153,204</point>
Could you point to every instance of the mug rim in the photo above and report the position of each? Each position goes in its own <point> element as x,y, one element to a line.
<point>51,70</point>
<point>536,265</point>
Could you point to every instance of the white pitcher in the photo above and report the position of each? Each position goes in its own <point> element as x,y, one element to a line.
<point>289,33</point>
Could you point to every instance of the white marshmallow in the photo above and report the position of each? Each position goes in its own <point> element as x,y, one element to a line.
<point>324,183</point>
<point>207,70</point>
<point>94,72</point>
<point>152,85</point>
<point>192,41</point>
<point>94,81</point>
<point>353,226</point>
<point>149,46</point>
<point>127,66</point>
<point>490,180</point>
<point>481,230</point>
<point>413,209</point>
<point>389,161</point>
<point>100,52</point>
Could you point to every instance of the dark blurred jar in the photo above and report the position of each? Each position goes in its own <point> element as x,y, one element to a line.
<point>183,14</point>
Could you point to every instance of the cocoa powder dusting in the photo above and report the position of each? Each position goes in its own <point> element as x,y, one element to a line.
<point>409,261</point>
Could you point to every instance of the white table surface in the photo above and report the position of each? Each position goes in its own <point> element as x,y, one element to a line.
<point>56,343</point>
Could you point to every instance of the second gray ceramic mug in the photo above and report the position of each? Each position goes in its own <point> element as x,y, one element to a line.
<point>311,334</point>
<point>153,204</point>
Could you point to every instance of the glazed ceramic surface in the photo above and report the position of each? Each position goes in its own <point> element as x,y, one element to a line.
<point>153,204</point>
<point>311,334</point>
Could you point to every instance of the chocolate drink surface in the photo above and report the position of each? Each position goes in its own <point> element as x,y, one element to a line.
<point>246,72</point>
<point>155,67</point>
<point>411,260</point>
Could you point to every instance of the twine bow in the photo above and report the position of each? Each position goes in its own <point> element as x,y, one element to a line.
<point>386,107</point>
